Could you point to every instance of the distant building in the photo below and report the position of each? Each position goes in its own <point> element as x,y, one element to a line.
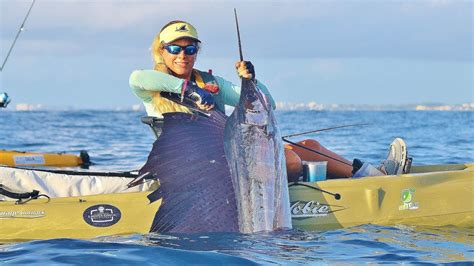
<point>137,107</point>
<point>366,107</point>
<point>28,107</point>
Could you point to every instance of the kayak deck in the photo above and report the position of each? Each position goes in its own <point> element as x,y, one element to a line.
<point>431,195</point>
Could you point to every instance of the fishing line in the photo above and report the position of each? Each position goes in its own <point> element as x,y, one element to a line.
<point>284,138</point>
<point>337,196</point>
<point>317,152</point>
<point>324,129</point>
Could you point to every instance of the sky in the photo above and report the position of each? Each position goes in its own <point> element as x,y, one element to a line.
<point>80,53</point>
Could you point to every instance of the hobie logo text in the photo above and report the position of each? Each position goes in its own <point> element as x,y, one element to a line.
<point>307,209</point>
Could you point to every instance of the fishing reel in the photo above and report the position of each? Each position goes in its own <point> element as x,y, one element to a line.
<point>4,100</point>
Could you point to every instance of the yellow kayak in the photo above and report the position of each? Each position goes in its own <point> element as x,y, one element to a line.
<point>20,158</point>
<point>436,195</point>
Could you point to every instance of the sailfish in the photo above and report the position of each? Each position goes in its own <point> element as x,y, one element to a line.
<point>256,158</point>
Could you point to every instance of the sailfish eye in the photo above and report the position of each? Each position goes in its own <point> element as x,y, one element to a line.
<point>251,97</point>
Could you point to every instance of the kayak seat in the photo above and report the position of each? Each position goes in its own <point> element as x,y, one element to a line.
<point>155,123</point>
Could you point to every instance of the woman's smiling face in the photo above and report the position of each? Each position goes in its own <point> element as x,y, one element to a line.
<point>180,64</point>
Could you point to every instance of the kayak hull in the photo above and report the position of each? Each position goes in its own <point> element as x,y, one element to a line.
<point>439,195</point>
<point>443,197</point>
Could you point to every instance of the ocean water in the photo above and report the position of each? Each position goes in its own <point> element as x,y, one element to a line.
<point>118,141</point>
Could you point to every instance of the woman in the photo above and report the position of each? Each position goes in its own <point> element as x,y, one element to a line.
<point>174,52</point>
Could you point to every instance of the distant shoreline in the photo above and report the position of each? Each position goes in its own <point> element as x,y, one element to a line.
<point>378,107</point>
<point>281,106</point>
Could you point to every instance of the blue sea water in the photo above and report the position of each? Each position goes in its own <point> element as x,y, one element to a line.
<point>118,141</point>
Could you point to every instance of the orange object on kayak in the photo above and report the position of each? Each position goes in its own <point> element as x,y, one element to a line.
<point>294,167</point>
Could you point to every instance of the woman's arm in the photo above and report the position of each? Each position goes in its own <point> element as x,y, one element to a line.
<point>145,82</point>
<point>231,93</point>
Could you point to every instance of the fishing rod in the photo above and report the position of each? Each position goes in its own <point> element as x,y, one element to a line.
<point>284,138</point>
<point>186,103</point>
<point>22,27</point>
<point>315,151</point>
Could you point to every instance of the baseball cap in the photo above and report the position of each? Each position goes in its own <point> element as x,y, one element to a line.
<point>178,30</point>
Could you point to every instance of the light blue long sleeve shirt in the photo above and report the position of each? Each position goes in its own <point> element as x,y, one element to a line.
<point>145,83</point>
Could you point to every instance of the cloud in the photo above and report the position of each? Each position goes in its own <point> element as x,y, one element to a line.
<point>88,15</point>
<point>429,30</point>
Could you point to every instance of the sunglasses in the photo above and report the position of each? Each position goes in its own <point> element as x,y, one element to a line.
<point>176,49</point>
